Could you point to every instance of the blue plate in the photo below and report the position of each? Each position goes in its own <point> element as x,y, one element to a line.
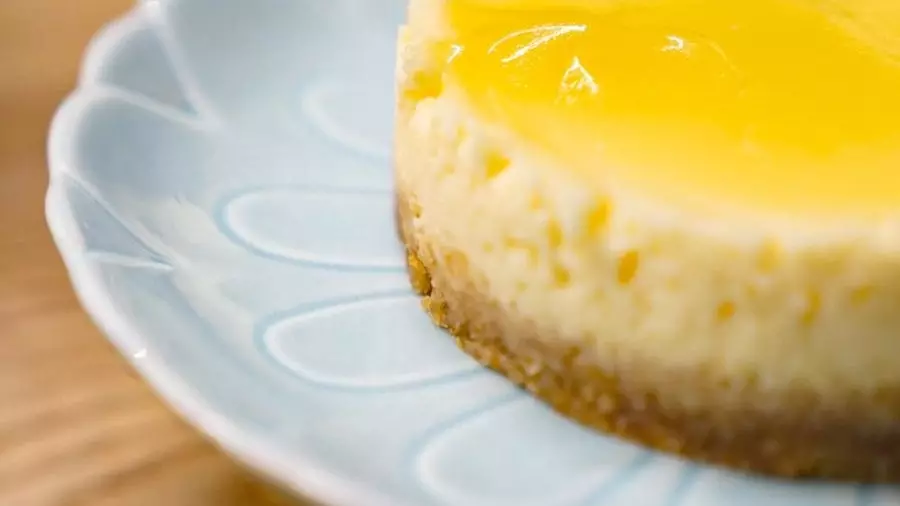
<point>221,194</point>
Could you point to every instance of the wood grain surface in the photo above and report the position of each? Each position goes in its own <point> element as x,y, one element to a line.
<point>77,427</point>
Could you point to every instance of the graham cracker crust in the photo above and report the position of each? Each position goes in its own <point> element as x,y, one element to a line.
<point>803,437</point>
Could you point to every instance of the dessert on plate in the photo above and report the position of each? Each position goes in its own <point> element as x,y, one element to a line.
<point>676,221</point>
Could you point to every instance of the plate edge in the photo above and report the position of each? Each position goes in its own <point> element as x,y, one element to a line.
<point>170,387</point>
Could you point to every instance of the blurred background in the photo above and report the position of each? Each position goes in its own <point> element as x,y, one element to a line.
<point>77,427</point>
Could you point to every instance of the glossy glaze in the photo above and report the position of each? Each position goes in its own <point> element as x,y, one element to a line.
<point>698,97</point>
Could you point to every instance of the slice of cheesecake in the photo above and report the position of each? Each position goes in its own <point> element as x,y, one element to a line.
<point>674,220</point>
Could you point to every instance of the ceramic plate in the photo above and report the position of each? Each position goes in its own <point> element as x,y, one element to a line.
<point>221,194</point>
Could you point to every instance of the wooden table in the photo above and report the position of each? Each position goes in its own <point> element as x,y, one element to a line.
<point>77,427</point>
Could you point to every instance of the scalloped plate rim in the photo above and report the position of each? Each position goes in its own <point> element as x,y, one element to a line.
<point>302,476</point>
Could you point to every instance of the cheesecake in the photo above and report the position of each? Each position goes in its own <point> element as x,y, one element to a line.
<point>675,221</point>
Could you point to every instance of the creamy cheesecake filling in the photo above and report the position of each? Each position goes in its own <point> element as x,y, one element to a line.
<point>780,306</point>
<point>526,244</point>
<point>780,105</point>
<point>821,317</point>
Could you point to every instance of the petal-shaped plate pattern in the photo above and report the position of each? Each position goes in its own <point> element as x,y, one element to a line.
<point>220,192</point>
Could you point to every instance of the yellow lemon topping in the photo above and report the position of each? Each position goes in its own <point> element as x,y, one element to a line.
<point>785,105</point>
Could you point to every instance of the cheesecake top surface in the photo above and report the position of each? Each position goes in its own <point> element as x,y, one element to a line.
<point>787,105</point>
